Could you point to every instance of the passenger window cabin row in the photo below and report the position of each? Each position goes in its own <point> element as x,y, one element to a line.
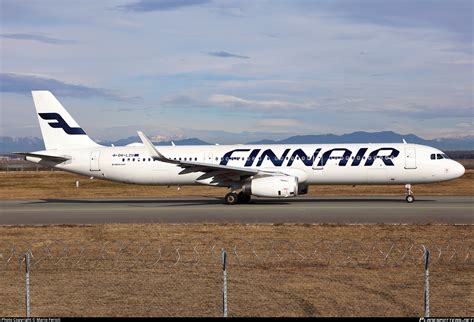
<point>195,159</point>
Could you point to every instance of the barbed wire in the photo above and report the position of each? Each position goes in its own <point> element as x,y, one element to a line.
<point>154,254</point>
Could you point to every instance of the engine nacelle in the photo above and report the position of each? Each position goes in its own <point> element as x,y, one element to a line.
<point>273,187</point>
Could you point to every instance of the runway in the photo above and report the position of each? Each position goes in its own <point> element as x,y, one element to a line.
<point>340,210</point>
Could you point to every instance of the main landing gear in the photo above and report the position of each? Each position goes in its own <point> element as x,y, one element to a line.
<point>233,198</point>
<point>409,193</point>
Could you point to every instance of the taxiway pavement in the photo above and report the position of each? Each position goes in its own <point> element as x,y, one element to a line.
<point>336,210</point>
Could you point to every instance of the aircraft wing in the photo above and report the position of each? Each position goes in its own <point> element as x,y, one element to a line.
<point>190,167</point>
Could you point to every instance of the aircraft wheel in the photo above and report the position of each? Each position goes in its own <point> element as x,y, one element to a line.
<point>410,198</point>
<point>231,198</point>
<point>244,198</point>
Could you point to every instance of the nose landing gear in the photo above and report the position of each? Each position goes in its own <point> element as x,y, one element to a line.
<point>409,193</point>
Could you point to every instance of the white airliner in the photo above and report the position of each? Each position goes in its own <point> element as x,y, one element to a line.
<point>275,171</point>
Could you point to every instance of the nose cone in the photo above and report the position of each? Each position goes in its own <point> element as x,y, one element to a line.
<point>458,169</point>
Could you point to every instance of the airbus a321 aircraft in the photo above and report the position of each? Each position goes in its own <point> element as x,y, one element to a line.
<point>274,171</point>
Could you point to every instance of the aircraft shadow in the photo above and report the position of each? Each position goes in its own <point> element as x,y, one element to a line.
<point>173,202</point>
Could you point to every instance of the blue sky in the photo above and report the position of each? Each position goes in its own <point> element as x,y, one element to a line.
<point>233,71</point>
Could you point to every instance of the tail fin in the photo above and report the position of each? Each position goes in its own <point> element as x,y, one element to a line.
<point>59,129</point>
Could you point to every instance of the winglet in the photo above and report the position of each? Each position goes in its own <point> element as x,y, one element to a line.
<point>154,153</point>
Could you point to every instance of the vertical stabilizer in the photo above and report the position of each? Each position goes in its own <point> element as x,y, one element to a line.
<point>58,128</point>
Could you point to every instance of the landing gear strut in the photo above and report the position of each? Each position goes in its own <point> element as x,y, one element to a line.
<point>243,197</point>
<point>233,198</point>
<point>409,193</point>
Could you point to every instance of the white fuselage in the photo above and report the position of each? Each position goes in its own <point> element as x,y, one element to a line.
<point>391,163</point>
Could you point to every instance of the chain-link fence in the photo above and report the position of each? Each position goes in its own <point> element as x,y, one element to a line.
<point>266,277</point>
<point>119,254</point>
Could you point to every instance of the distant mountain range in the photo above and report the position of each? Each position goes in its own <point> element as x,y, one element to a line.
<point>9,144</point>
<point>25,144</point>
<point>136,139</point>
<point>446,144</point>
<point>28,144</point>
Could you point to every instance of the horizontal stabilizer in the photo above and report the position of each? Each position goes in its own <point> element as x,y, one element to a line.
<point>43,156</point>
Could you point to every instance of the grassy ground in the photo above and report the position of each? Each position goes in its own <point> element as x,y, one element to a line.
<point>285,286</point>
<point>325,283</point>
<point>47,184</point>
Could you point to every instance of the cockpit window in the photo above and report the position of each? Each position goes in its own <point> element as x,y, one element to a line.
<point>438,156</point>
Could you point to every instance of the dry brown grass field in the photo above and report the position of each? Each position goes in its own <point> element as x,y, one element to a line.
<point>292,284</point>
<point>378,273</point>
<point>57,184</point>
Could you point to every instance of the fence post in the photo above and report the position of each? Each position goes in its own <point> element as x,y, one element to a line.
<point>27,295</point>
<point>224,288</point>
<point>426,257</point>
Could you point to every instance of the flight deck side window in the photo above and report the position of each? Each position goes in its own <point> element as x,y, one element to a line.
<point>433,156</point>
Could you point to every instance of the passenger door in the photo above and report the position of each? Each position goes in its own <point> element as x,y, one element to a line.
<point>410,158</point>
<point>94,161</point>
<point>315,164</point>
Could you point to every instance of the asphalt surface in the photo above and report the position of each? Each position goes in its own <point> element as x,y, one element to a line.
<point>347,210</point>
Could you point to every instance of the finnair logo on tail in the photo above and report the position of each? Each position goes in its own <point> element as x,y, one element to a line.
<point>60,123</point>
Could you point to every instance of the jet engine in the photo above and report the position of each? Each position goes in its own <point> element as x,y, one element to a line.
<point>273,187</point>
